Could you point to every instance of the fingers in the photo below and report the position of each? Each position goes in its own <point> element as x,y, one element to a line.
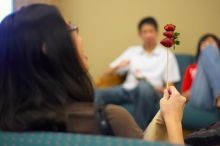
<point>173,90</point>
<point>166,94</point>
<point>184,99</point>
<point>174,93</point>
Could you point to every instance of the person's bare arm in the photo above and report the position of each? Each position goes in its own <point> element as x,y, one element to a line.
<point>110,71</point>
<point>113,70</point>
<point>174,130</point>
<point>172,107</point>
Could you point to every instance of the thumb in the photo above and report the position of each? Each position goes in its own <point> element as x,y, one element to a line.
<point>166,94</point>
<point>173,90</point>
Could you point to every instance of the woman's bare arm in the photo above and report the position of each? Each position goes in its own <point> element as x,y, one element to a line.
<point>110,71</point>
<point>172,107</point>
<point>174,130</point>
<point>113,70</point>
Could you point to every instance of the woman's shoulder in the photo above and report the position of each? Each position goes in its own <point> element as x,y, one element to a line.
<point>116,112</point>
<point>116,109</point>
<point>122,122</point>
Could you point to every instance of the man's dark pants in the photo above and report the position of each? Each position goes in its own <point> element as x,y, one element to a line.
<point>143,97</point>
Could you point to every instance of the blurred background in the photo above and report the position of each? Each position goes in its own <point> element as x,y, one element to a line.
<point>109,27</point>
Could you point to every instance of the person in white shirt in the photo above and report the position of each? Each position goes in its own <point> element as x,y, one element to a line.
<point>145,69</point>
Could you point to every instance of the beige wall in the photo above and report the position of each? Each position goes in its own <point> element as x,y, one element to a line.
<point>108,27</point>
<point>17,4</point>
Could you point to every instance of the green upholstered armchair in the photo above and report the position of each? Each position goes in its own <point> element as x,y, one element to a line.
<point>107,81</point>
<point>183,61</point>
<point>67,139</point>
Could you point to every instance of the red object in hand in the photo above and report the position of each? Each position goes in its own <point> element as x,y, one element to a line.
<point>167,42</point>
<point>171,36</point>
<point>168,34</point>
<point>170,27</point>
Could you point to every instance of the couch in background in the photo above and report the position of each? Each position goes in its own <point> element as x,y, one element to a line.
<point>106,81</point>
<point>113,80</point>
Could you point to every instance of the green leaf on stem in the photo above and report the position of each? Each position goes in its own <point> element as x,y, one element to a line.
<point>177,42</point>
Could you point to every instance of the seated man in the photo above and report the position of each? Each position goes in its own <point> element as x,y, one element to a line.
<point>145,66</point>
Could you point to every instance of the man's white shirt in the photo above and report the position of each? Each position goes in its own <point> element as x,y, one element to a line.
<point>151,66</point>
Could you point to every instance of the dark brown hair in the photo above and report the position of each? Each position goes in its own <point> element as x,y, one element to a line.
<point>202,39</point>
<point>36,88</point>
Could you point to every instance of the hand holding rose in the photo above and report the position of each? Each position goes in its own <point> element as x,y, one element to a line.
<point>172,106</point>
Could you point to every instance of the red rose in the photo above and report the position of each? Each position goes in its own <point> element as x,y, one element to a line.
<point>168,34</point>
<point>167,42</point>
<point>169,27</point>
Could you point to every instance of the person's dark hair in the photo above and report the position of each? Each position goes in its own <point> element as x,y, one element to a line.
<point>148,20</point>
<point>41,73</point>
<point>202,39</point>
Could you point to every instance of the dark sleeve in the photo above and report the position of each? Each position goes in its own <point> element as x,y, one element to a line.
<point>122,123</point>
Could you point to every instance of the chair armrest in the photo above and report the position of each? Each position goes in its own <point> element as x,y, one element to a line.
<point>106,81</point>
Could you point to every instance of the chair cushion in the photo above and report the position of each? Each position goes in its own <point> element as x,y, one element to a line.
<point>199,122</point>
<point>183,61</point>
<point>64,139</point>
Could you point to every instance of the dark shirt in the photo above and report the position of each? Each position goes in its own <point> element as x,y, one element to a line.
<point>82,119</point>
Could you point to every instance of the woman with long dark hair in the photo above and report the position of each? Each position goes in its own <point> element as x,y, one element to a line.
<point>45,86</point>
<point>40,70</point>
